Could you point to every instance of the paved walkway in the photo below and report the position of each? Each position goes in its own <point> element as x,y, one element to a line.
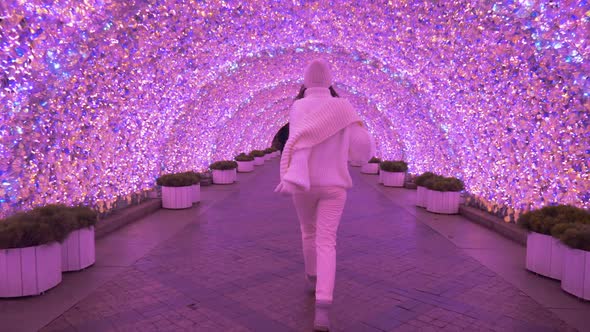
<point>234,263</point>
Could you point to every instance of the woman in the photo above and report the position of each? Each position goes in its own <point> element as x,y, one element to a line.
<point>325,132</point>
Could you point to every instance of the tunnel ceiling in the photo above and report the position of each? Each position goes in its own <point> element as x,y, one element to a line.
<point>100,97</point>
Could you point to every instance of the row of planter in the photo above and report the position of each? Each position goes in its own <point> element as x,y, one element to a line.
<point>436,193</point>
<point>558,246</point>
<point>37,246</point>
<point>182,190</point>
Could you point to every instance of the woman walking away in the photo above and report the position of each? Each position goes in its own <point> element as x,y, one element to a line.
<point>325,132</point>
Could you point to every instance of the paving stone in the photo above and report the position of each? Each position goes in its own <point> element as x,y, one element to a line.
<point>238,267</point>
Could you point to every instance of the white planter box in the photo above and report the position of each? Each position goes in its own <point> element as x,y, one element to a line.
<point>245,166</point>
<point>576,272</point>
<point>267,156</point>
<point>544,255</point>
<point>177,197</point>
<point>392,179</point>
<point>78,250</point>
<point>277,153</point>
<point>258,161</point>
<point>370,168</point>
<point>444,202</point>
<point>381,176</point>
<point>356,163</point>
<point>421,196</point>
<point>224,176</point>
<point>29,271</point>
<point>196,188</point>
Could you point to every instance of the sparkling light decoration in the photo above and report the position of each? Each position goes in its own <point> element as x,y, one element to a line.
<point>99,97</point>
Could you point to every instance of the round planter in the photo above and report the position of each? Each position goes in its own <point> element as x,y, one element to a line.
<point>29,271</point>
<point>196,189</point>
<point>258,161</point>
<point>393,179</point>
<point>443,202</point>
<point>356,163</point>
<point>224,176</point>
<point>576,272</point>
<point>370,168</point>
<point>245,166</point>
<point>78,250</point>
<point>421,196</point>
<point>177,197</point>
<point>544,255</point>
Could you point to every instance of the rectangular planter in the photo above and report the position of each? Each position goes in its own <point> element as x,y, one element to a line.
<point>177,197</point>
<point>224,176</point>
<point>544,255</point>
<point>245,166</point>
<point>393,179</point>
<point>576,273</point>
<point>196,188</point>
<point>421,196</point>
<point>78,250</point>
<point>370,168</point>
<point>29,271</point>
<point>443,202</point>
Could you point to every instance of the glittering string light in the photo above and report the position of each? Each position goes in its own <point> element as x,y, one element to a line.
<point>99,97</point>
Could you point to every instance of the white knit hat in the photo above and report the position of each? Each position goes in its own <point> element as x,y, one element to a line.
<point>317,74</point>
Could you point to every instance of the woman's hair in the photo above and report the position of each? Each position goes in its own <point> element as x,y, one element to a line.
<point>301,93</point>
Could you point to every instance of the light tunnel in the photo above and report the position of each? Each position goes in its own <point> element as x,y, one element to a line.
<point>101,97</point>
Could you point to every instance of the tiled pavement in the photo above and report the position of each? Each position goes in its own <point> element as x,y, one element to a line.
<point>237,266</point>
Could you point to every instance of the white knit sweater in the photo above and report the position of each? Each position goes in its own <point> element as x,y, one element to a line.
<point>325,133</point>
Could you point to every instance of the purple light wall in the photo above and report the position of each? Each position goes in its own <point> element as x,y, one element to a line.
<point>99,97</point>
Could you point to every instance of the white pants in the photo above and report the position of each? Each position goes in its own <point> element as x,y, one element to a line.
<point>319,212</point>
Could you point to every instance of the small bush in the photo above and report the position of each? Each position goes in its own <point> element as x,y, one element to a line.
<point>374,160</point>
<point>577,236</point>
<point>269,150</point>
<point>553,220</point>
<point>50,223</point>
<point>244,157</point>
<point>421,179</point>
<point>444,184</point>
<point>257,153</point>
<point>85,217</point>
<point>194,176</point>
<point>224,165</point>
<point>177,179</point>
<point>397,166</point>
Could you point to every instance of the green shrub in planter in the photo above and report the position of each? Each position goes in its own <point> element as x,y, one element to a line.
<point>224,165</point>
<point>397,166</point>
<point>445,184</point>
<point>374,160</point>
<point>50,223</point>
<point>577,236</point>
<point>176,180</point>
<point>194,176</point>
<point>553,220</point>
<point>244,157</point>
<point>84,216</point>
<point>421,179</point>
<point>257,153</point>
<point>20,231</point>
